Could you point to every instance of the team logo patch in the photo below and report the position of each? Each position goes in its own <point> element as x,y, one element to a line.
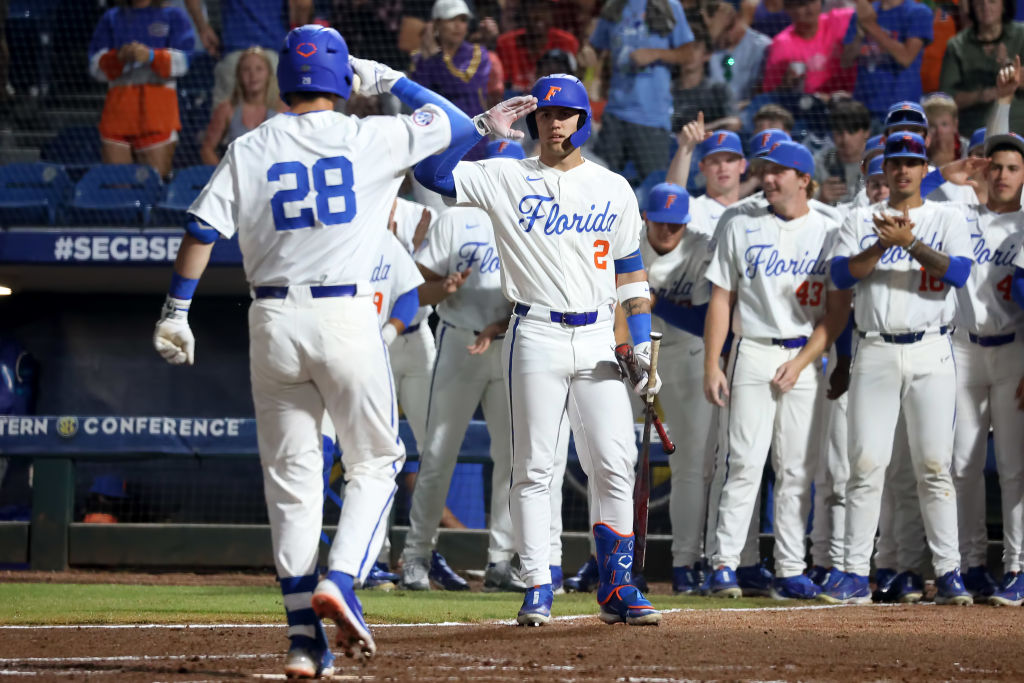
<point>669,201</point>
<point>422,118</point>
<point>307,50</point>
<point>159,29</point>
<point>552,91</point>
<point>67,426</point>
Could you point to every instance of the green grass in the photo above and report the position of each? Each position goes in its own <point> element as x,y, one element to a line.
<point>32,603</point>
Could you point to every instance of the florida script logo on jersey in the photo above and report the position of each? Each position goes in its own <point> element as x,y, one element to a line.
<point>896,254</point>
<point>482,253</point>
<point>1001,255</point>
<point>765,258</point>
<point>556,222</point>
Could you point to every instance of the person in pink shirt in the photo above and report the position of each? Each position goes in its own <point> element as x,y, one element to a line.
<point>805,55</point>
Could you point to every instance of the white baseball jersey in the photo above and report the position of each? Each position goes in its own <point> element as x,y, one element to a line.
<point>678,276</point>
<point>705,213</point>
<point>984,304</point>
<point>557,232</point>
<point>393,274</point>
<point>752,204</point>
<point>1018,261</point>
<point>311,216</point>
<point>898,295</point>
<point>462,238</point>
<point>779,270</point>
<point>950,192</point>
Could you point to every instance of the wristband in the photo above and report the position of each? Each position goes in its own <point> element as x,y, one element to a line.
<point>152,56</point>
<point>634,290</point>
<point>912,245</point>
<point>388,333</point>
<point>639,327</point>
<point>182,287</point>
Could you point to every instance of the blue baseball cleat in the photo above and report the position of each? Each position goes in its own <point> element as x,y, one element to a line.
<point>851,589</point>
<point>723,584</point>
<point>833,577</point>
<point>335,599</point>
<point>685,581</point>
<point>951,591</point>
<point>585,579</point>
<point>979,582</point>
<point>908,587</point>
<point>755,581</point>
<point>885,585</point>
<point>1011,591</point>
<point>536,609</point>
<point>556,579</point>
<point>620,600</point>
<point>381,578</point>
<point>799,587</point>
<point>443,575</point>
<point>817,574</point>
<point>626,604</point>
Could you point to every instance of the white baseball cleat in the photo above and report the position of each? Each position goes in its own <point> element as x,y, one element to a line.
<point>343,608</point>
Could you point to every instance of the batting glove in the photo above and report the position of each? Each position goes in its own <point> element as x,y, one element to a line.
<point>173,338</point>
<point>498,119</point>
<point>374,78</point>
<point>642,353</point>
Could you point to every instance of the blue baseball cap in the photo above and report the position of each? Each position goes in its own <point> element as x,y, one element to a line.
<point>668,203</point>
<point>875,166</point>
<point>904,145</point>
<point>906,113</point>
<point>761,142</point>
<point>505,148</point>
<point>791,155</point>
<point>875,143</point>
<point>109,485</point>
<point>977,140</point>
<point>720,141</point>
<point>1011,139</point>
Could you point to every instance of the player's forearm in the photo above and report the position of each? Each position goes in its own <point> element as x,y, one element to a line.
<point>433,293</point>
<point>716,327</point>
<point>676,55</point>
<point>903,53</point>
<point>998,122</point>
<point>679,169</point>
<point>935,263</point>
<point>193,257</point>
<point>864,263</point>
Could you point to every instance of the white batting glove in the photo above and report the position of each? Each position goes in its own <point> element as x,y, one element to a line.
<point>498,119</point>
<point>374,78</point>
<point>389,333</point>
<point>642,353</point>
<point>173,338</point>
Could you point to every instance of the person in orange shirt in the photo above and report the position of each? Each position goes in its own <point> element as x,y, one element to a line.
<point>140,48</point>
<point>521,48</point>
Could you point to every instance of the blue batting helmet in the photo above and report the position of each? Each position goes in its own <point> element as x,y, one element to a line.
<point>314,59</point>
<point>562,90</point>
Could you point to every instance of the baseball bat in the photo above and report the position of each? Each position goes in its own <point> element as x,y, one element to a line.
<point>642,487</point>
<point>631,371</point>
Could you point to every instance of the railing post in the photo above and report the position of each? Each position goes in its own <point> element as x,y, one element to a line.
<point>53,499</point>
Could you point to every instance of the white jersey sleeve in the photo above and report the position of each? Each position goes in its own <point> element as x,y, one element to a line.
<point>626,238</point>
<point>477,183</point>
<point>414,137</point>
<point>217,204</point>
<point>722,270</point>
<point>985,305</point>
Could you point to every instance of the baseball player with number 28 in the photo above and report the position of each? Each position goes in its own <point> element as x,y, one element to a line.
<point>568,236</point>
<point>309,194</point>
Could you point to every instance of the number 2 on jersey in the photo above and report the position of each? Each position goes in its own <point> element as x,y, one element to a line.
<point>601,254</point>
<point>324,193</point>
<point>809,293</point>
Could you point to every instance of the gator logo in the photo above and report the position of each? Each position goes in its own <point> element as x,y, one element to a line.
<point>307,50</point>
<point>721,139</point>
<point>552,91</point>
<point>67,426</point>
<point>670,200</point>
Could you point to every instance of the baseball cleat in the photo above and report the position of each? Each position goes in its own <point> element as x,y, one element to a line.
<point>685,581</point>
<point>415,574</point>
<point>908,587</point>
<point>585,579</point>
<point>381,578</point>
<point>885,585</point>
<point>334,599</point>
<point>851,589</point>
<point>979,582</point>
<point>556,579</point>
<point>1011,591</point>
<point>951,591</point>
<point>833,577</point>
<point>799,587</point>
<point>817,574</point>
<point>723,584</point>
<point>536,609</point>
<point>626,604</point>
<point>755,581</point>
<point>443,575</point>
<point>304,661</point>
<point>502,577</point>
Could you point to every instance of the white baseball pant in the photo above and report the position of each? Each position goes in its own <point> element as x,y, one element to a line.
<point>306,355</point>
<point>832,472</point>
<point>901,543</point>
<point>917,380</point>
<point>718,447</point>
<point>987,380</point>
<point>412,362</point>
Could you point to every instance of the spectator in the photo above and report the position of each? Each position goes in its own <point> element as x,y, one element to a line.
<point>838,168</point>
<point>371,29</point>
<point>885,40</point>
<point>461,70</point>
<point>804,57</point>
<point>245,24</point>
<point>140,49</point>
<point>556,62</point>
<point>695,92</point>
<point>944,141</point>
<point>521,49</point>
<point>254,100</point>
<point>643,38</point>
<point>973,59</point>
<point>738,59</point>
<point>773,116</point>
<point>767,17</point>
<point>943,29</point>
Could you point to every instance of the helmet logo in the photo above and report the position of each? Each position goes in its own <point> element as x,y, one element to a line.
<point>306,49</point>
<point>552,91</point>
<point>669,201</point>
<point>905,106</point>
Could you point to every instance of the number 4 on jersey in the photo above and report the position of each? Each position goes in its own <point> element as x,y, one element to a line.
<point>1005,287</point>
<point>809,293</point>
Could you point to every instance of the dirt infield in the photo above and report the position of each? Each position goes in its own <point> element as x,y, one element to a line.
<point>913,643</point>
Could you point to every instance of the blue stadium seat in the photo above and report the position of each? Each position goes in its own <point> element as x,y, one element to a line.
<point>179,195</point>
<point>76,147</point>
<point>115,194</point>
<point>32,193</point>
<point>644,188</point>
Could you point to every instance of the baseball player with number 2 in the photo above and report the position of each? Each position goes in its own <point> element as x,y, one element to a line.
<point>309,195</point>
<point>567,232</point>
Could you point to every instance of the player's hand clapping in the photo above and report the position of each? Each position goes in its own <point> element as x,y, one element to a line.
<point>173,337</point>
<point>498,120</point>
<point>894,230</point>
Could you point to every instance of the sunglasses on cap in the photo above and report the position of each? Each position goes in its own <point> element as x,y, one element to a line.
<point>906,117</point>
<point>905,145</point>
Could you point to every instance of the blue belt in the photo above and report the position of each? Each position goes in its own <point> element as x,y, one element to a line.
<point>317,291</point>
<point>411,328</point>
<point>792,343</point>
<point>574,319</point>
<point>998,340</point>
<point>906,337</point>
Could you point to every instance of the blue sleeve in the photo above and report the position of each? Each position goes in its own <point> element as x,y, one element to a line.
<point>958,271</point>
<point>406,306</point>
<point>921,22</point>
<point>840,272</point>
<point>601,38</point>
<point>931,182</point>
<point>686,318</point>
<point>639,325</point>
<point>182,36</point>
<point>201,230</point>
<point>629,264</point>
<point>851,30</point>
<point>1017,290</point>
<point>682,33</point>
<point>844,342</point>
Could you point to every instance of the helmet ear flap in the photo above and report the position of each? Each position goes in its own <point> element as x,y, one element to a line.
<point>531,124</point>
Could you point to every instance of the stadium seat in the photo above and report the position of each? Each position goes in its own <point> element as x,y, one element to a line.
<point>115,194</point>
<point>32,193</point>
<point>76,147</point>
<point>644,188</point>
<point>179,194</point>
